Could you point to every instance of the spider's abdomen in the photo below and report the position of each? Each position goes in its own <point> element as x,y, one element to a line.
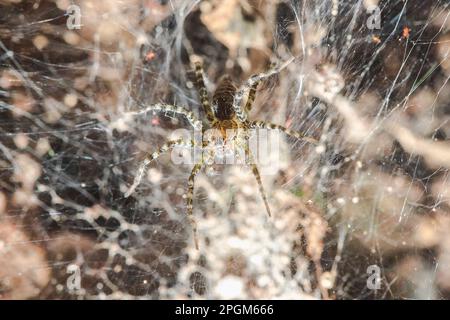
<point>223,99</point>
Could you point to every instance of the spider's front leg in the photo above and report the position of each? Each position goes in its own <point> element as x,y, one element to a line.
<point>203,93</point>
<point>251,85</point>
<point>242,114</point>
<point>148,159</point>
<point>273,126</point>
<point>251,97</point>
<point>167,108</point>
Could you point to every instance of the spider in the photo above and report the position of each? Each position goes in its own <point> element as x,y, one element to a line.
<point>224,114</point>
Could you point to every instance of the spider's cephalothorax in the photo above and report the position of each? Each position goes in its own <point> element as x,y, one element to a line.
<point>224,114</point>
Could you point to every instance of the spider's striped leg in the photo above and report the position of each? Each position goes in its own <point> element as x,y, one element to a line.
<point>263,75</point>
<point>251,97</point>
<point>240,113</point>
<point>203,92</point>
<point>273,126</point>
<point>148,159</point>
<point>167,108</point>
<point>255,172</point>
<point>189,199</point>
<point>251,85</point>
<point>254,81</point>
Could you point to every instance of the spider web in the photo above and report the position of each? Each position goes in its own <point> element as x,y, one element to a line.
<point>372,195</point>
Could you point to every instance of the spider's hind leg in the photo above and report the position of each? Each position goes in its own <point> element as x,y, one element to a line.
<point>257,175</point>
<point>261,188</point>
<point>189,200</point>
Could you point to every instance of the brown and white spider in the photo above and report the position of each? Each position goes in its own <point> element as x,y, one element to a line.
<point>223,115</point>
